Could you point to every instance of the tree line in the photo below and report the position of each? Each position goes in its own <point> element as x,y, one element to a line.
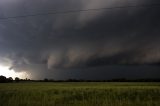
<point>4,79</point>
<point>111,80</point>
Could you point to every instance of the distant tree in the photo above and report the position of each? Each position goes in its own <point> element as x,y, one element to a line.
<point>10,79</point>
<point>45,80</point>
<point>3,79</point>
<point>17,79</point>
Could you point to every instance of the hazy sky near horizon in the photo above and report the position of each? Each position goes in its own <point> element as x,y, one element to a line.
<point>113,43</point>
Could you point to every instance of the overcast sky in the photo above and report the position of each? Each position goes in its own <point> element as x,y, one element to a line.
<point>104,44</point>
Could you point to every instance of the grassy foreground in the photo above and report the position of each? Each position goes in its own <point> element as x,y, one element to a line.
<point>80,94</point>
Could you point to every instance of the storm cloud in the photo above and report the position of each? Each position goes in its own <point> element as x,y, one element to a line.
<point>110,43</point>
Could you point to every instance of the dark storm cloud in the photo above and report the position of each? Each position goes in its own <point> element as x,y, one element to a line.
<point>58,44</point>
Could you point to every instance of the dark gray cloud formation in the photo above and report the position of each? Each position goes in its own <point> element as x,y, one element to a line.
<point>92,45</point>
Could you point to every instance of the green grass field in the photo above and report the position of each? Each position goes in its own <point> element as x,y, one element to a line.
<point>80,94</point>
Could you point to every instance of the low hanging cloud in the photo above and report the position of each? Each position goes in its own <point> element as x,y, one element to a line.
<point>55,44</point>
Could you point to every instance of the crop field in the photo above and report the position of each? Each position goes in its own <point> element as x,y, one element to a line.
<point>79,94</point>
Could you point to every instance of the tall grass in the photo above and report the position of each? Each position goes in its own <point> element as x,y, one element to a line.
<point>80,94</point>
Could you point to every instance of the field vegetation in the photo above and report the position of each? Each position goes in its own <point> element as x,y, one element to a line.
<point>79,94</point>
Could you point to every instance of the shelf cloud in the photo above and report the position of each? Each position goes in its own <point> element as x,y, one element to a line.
<point>110,43</point>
